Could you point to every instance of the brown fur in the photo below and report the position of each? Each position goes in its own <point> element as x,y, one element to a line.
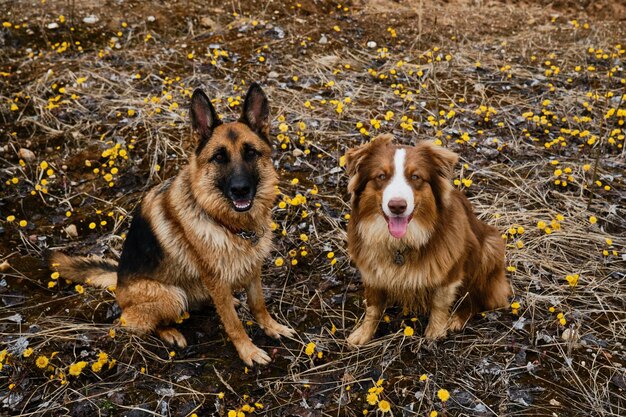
<point>188,232</point>
<point>449,255</point>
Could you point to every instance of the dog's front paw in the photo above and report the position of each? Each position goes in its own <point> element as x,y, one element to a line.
<point>360,336</point>
<point>456,323</point>
<point>251,354</point>
<point>172,336</point>
<point>275,330</point>
<point>435,331</point>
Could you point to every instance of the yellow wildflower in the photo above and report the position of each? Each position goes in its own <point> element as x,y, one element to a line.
<point>77,368</point>
<point>384,406</point>
<point>41,362</point>
<point>443,395</point>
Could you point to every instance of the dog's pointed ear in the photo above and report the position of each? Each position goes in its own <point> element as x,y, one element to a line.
<point>355,156</point>
<point>444,159</point>
<point>203,117</point>
<point>256,111</point>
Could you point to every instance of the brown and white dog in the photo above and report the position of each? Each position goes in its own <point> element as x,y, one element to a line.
<point>201,235</point>
<point>416,240</point>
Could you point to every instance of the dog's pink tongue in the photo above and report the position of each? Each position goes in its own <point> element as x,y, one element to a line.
<point>397,226</point>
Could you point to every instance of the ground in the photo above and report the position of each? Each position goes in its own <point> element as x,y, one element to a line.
<point>93,112</point>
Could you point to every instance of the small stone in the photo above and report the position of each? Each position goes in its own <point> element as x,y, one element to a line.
<point>570,335</point>
<point>297,152</point>
<point>151,19</point>
<point>323,40</point>
<point>372,44</point>
<point>26,154</point>
<point>272,74</point>
<point>71,231</point>
<point>91,19</point>
<point>53,25</point>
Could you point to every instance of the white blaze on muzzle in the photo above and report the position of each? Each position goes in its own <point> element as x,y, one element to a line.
<point>397,190</point>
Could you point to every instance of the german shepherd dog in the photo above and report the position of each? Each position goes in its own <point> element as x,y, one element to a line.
<point>416,239</point>
<point>200,235</point>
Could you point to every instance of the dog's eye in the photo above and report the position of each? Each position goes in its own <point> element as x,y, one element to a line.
<point>251,153</point>
<point>415,177</point>
<point>220,158</point>
<point>382,177</point>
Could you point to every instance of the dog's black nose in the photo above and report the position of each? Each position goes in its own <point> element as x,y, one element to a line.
<point>397,205</point>
<point>240,188</point>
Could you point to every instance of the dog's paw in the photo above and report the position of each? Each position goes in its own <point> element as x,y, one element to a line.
<point>252,355</point>
<point>360,336</point>
<point>434,332</point>
<point>275,330</point>
<point>172,336</point>
<point>456,323</point>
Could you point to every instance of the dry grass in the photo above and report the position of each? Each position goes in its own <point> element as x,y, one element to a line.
<point>501,364</point>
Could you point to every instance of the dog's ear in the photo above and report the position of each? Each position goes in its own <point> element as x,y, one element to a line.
<point>355,156</point>
<point>444,159</point>
<point>203,117</point>
<point>256,112</point>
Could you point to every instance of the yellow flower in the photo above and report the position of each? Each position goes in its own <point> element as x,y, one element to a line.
<point>408,331</point>
<point>41,362</point>
<point>423,377</point>
<point>3,355</point>
<point>11,218</point>
<point>372,398</point>
<point>434,413</point>
<point>443,395</point>
<point>79,289</point>
<point>77,368</point>
<point>103,357</point>
<point>96,366</point>
<point>27,352</point>
<point>572,280</point>
<point>279,262</point>
<point>593,220</point>
<point>23,223</point>
<point>310,349</point>
<point>541,224</point>
<point>384,406</point>
<point>330,255</point>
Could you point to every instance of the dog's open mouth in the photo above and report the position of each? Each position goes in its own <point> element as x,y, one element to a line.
<point>398,225</point>
<point>242,204</point>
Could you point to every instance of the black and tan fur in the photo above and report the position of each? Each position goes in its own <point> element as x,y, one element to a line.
<point>194,238</point>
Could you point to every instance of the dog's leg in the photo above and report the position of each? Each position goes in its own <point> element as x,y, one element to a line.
<point>248,352</point>
<point>375,300</point>
<point>441,302</point>
<point>257,306</point>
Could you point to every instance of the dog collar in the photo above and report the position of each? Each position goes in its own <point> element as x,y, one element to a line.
<point>398,257</point>
<point>250,235</point>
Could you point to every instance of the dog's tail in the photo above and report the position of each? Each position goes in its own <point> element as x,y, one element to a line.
<point>92,271</point>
